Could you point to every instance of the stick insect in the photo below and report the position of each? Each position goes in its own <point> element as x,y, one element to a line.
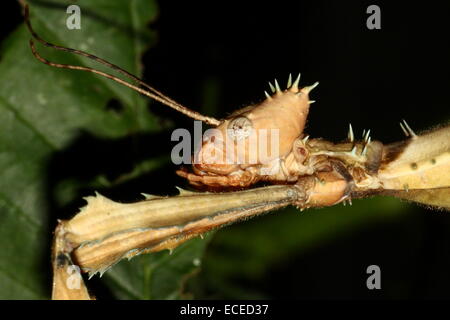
<point>305,172</point>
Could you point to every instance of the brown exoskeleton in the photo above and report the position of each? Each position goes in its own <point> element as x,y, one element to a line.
<point>366,164</point>
<point>244,131</point>
<point>310,173</point>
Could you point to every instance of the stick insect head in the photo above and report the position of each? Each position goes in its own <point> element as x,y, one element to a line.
<point>254,139</point>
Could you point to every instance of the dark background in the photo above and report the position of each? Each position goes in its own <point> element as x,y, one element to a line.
<point>371,78</point>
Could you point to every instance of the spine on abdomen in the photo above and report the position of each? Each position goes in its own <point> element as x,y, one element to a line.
<point>421,162</point>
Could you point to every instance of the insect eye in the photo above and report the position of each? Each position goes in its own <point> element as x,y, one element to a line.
<point>240,128</point>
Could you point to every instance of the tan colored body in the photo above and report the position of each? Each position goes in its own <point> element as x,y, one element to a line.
<point>313,173</point>
<point>278,121</point>
<point>422,162</point>
<point>418,169</point>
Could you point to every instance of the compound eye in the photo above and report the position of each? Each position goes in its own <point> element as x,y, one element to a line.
<point>240,128</point>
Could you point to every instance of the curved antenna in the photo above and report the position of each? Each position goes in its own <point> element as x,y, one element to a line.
<point>151,93</point>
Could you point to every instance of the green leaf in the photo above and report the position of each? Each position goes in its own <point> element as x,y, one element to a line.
<point>158,275</point>
<point>44,113</point>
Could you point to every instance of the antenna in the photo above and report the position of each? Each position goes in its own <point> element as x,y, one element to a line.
<point>151,92</point>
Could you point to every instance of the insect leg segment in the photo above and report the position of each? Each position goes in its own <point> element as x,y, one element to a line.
<point>106,231</point>
<point>241,178</point>
<point>326,188</point>
<point>67,281</point>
